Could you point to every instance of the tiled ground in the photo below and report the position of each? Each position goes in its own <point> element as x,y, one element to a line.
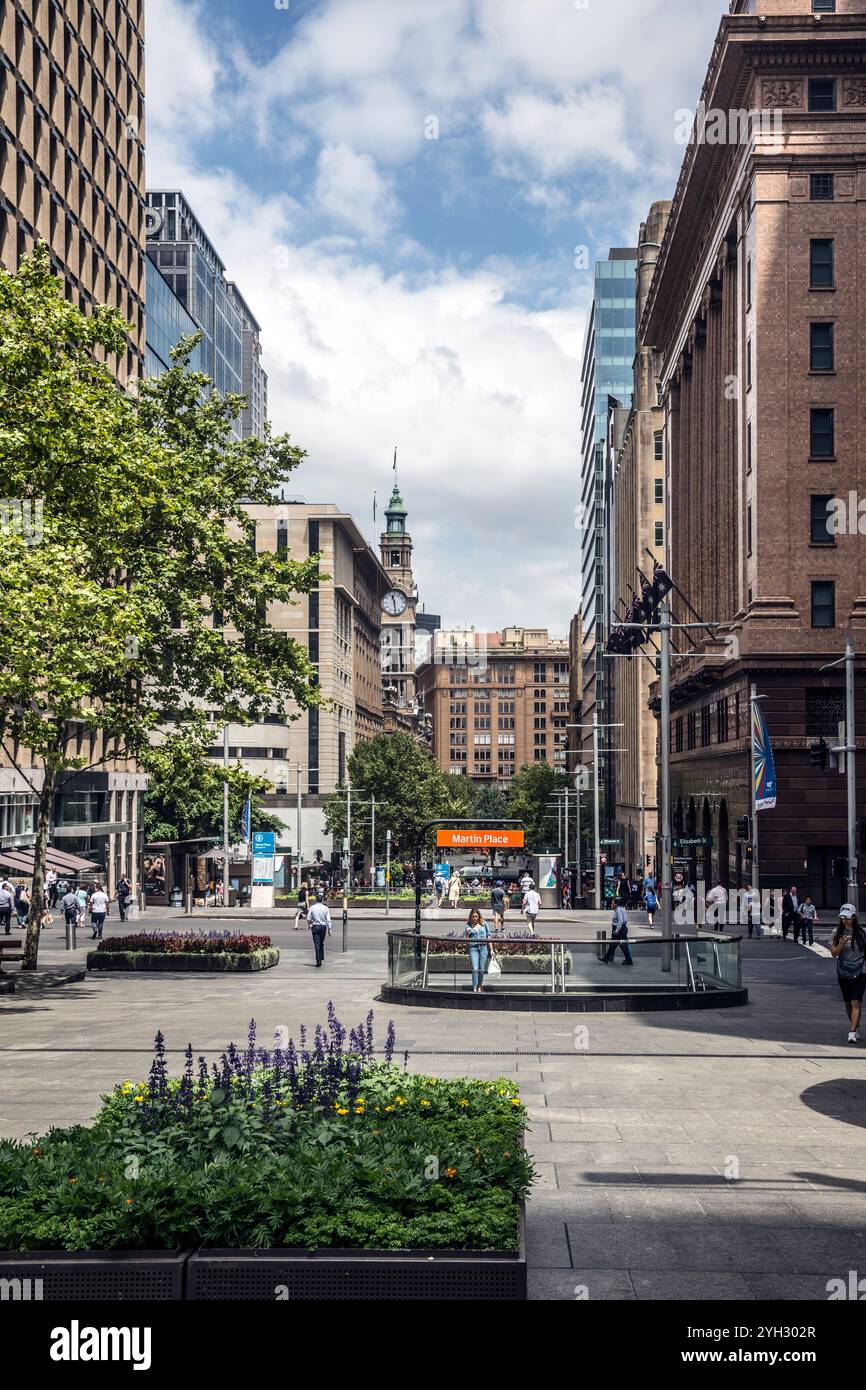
<point>709,1155</point>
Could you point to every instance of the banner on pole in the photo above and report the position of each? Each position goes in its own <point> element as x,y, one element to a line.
<point>765,765</point>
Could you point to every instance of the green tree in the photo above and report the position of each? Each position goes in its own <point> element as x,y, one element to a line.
<point>184,798</point>
<point>489,802</point>
<point>531,799</point>
<point>409,787</point>
<point>131,592</point>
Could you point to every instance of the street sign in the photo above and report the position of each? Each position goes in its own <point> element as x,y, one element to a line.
<point>693,841</point>
<point>610,842</point>
<point>480,839</point>
<point>264,842</point>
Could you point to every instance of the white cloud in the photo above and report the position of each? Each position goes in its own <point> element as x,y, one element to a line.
<point>182,69</point>
<point>350,190</point>
<point>556,136</point>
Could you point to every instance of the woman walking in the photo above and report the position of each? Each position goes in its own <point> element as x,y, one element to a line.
<point>454,890</point>
<point>650,902</point>
<point>479,947</point>
<point>849,948</point>
<point>303,904</point>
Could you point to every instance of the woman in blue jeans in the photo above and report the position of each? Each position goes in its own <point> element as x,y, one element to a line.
<point>479,947</point>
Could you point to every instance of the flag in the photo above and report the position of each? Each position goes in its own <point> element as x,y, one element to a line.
<point>646,594</point>
<point>765,765</point>
<point>245,820</point>
<point>662,584</point>
<point>374,509</point>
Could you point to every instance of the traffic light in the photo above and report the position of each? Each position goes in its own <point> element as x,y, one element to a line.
<point>819,753</point>
<point>744,828</point>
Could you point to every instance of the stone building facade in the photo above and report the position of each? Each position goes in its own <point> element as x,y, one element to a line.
<point>757,310</point>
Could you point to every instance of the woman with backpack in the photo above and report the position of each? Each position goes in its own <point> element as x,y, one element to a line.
<point>849,949</point>
<point>650,901</point>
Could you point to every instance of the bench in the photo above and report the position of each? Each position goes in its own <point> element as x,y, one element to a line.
<point>10,949</point>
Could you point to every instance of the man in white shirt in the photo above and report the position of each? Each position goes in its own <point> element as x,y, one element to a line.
<point>717,907</point>
<point>51,887</point>
<point>7,902</point>
<point>531,906</point>
<point>98,904</point>
<point>319,922</point>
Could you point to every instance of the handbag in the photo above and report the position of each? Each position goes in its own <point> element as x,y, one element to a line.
<point>851,968</point>
<point>493,967</point>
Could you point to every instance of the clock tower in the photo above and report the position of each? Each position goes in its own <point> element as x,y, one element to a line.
<point>398,609</point>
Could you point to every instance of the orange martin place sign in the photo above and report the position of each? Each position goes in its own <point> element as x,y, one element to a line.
<point>481,839</point>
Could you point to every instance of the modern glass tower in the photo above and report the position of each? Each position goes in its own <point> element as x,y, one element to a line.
<point>606,375</point>
<point>230,350</point>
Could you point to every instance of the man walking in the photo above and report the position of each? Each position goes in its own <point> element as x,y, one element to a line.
<point>319,919</point>
<point>790,912</point>
<point>531,906</point>
<point>717,906</point>
<point>124,892</point>
<point>619,936</point>
<point>499,904</point>
<point>51,888</point>
<point>806,924</point>
<point>98,905</point>
<point>7,902</point>
<point>69,903</point>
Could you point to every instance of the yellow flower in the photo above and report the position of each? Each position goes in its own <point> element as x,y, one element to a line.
<point>463,1102</point>
<point>400,1100</point>
<point>515,1102</point>
<point>359,1110</point>
<point>341,1111</point>
<point>139,1099</point>
<point>451,1172</point>
<point>425,1102</point>
<point>73,1180</point>
<point>387,1108</point>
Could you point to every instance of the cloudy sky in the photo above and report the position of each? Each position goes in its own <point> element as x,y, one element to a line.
<point>399,188</point>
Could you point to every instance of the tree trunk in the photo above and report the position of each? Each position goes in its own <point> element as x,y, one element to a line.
<point>43,827</point>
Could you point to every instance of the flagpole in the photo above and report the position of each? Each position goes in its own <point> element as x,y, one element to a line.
<point>756,873</point>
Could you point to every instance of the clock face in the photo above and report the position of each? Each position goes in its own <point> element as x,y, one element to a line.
<point>394,603</point>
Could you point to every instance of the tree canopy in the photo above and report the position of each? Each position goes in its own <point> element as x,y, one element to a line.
<point>131,593</point>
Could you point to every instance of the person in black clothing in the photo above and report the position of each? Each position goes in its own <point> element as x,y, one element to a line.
<point>124,893</point>
<point>7,901</point>
<point>791,913</point>
<point>499,904</point>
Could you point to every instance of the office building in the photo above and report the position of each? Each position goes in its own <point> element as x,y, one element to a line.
<point>496,700</point>
<point>756,313</point>
<point>72,152</point>
<point>230,349</point>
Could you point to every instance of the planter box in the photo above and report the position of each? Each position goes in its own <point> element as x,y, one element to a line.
<point>266,1275</point>
<point>194,961</point>
<point>141,1276</point>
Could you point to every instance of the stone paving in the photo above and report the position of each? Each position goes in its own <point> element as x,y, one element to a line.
<point>716,1154</point>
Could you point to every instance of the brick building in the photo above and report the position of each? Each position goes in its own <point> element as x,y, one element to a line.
<point>496,700</point>
<point>757,310</point>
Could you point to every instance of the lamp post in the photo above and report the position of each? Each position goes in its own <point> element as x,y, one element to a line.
<point>850,751</point>
<point>596,814</point>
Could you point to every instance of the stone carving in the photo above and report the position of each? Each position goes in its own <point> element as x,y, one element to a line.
<point>854,92</point>
<point>782,92</point>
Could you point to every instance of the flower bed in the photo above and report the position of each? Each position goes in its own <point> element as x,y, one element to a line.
<point>193,951</point>
<point>310,1147</point>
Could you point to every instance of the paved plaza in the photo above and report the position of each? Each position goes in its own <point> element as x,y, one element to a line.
<point>706,1155</point>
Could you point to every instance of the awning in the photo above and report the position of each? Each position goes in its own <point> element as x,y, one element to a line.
<point>20,861</point>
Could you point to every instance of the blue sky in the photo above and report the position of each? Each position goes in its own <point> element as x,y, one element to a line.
<point>399,188</point>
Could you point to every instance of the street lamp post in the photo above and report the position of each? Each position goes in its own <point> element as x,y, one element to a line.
<point>596,815</point>
<point>850,751</point>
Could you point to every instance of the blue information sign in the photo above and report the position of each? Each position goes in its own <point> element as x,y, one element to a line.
<point>264,842</point>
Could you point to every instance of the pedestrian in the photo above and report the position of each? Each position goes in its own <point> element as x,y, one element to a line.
<point>220,890</point>
<point>717,902</point>
<point>525,880</point>
<point>849,948</point>
<point>480,949</point>
<point>808,918</point>
<point>619,936</point>
<point>123,893</point>
<point>439,889</point>
<point>650,901</point>
<point>531,906</point>
<point>751,905</point>
<point>81,899</point>
<point>51,887</point>
<point>454,890</point>
<point>499,904</point>
<point>790,912</point>
<point>7,902</point>
<point>22,904</point>
<point>319,921</point>
<point>303,904</point>
<point>69,904</point>
<point>98,904</point>
<point>566,895</point>
<point>621,892</point>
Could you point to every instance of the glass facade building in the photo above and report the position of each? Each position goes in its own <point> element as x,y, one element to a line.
<point>230,351</point>
<point>167,322</point>
<point>606,375</point>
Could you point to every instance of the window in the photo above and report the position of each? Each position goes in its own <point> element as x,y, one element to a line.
<point>821,188</point>
<point>821,509</point>
<point>692,730</point>
<point>748,363</point>
<point>481,740</point>
<point>823,6</point>
<point>722,720</point>
<point>705,726</point>
<point>822,433</point>
<point>822,94</point>
<point>659,445</point>
<point>822,348</point>
<point>660,533</point>
<point>678,735</point>
<point>749,447</point>
<point>823,603</point>
<point>748,282</point>
<point>825,710</point>
<point>821,263</point>
<point>749,529</point>
<point>660,491</point>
